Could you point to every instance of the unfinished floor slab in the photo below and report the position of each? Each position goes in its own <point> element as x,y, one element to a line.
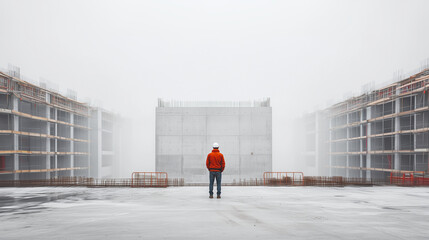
<point>188,213</point>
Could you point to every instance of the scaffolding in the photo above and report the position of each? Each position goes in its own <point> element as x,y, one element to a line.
<point>42,133</point>
<point>382,131</point>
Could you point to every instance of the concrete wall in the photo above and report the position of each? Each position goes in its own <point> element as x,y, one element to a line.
<point>184,137</point>
<point>104,161</point>
<point>310,135</point>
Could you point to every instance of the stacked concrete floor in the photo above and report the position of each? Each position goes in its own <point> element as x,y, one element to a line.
<point>380,132</point>
<point>44,134</point>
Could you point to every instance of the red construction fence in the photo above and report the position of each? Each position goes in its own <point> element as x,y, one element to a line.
<point>409,179</point>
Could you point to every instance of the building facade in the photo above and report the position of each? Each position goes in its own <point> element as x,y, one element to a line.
<point>185,132</point>
<point>44,134</point>
<point>379,132</point>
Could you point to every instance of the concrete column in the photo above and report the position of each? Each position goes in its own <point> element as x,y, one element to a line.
<point>360,143</point>
<point>88,137</point>
<point>330,146</point>
<point>15,137</point>
<point>182,160</point>
<point>56,143</point>
<point>95,170</point>
<point>368,155</point>
<point>72,144</point>
<point>48,142</point>
<point>100,143</point>
<point>316,153</point>
<point>347,146</point>
<point>115,148</point>
<point>414,136</point>
<point>397,161</point>
<point>239,141</point>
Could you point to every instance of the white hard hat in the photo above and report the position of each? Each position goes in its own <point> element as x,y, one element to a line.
<point>215,145</point>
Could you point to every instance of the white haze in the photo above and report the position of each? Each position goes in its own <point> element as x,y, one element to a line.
<point>126,54</point>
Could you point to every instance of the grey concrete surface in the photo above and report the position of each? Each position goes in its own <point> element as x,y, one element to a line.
<point>188,213</point>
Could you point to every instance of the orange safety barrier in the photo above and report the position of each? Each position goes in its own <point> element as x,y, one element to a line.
<point>406,179</point>
<point>283,178</point>
<point>421,181</point>
<point>149,179</point>
<point>409,179</point>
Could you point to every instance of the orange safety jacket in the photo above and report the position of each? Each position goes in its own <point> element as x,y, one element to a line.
<point>215,161</point>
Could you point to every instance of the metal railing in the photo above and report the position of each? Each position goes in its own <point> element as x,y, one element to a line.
<point>283,178</point>
<point>271,179</point>
<point>149,179</point>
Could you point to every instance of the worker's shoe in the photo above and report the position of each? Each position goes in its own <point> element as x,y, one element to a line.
<point>211,196</point>
<point>218,196</point>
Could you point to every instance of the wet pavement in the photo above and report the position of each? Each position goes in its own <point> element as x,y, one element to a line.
<point>188,213</point>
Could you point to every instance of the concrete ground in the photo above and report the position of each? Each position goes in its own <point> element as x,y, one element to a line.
<point>188,213</point>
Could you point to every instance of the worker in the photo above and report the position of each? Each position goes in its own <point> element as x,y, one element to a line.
<point>215,164</point>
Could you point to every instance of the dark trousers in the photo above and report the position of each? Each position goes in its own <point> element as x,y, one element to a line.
<point>218,176</point>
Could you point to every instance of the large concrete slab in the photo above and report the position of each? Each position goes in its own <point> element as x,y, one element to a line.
<point>187,133</point>
<point>187,213</point>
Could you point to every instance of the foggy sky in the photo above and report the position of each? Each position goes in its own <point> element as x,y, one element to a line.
<point>126,54</point>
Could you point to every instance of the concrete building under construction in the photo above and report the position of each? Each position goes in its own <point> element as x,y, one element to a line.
<point>185,132</point>
<point>385,130</point>
<point>44,134</point>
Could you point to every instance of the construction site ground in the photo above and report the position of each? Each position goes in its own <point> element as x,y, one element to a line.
<point>242,213</point>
